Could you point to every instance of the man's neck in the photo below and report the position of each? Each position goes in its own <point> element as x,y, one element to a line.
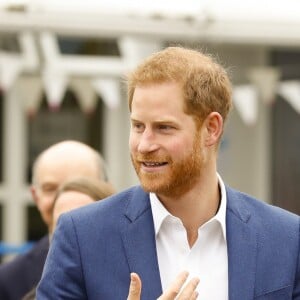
<point>196,206</point>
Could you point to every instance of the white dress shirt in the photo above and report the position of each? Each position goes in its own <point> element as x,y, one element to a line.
<point>207,259</point>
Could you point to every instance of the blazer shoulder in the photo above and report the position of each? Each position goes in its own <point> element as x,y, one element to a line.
<point>248,207</point>
<point>130,203</point>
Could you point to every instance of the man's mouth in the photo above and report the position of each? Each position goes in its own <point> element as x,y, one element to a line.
<point>153,164</point>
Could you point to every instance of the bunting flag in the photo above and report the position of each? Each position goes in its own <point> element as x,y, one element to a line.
<point>54,76</point>
<point>55,85</point>
<point>85,93</point>
<point>10,69</point>
<point>265,79</point>
<point>108,90</point>
<point>30,90</point>
<point>100,76</point>
<point>245,101</point>
<point>290,91</point>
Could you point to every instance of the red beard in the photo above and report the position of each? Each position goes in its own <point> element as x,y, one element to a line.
<point>176,178</point>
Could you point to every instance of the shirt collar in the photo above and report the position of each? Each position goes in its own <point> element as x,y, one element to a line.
<point>159,212</point>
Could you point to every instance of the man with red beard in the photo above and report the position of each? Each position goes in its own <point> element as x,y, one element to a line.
<point>183,219</point>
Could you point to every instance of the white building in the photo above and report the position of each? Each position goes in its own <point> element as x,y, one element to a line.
<point>85,47</point>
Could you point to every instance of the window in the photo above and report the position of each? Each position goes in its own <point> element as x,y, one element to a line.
<point>9,43</point>
<point>69,122</point>
<point>88,46</point>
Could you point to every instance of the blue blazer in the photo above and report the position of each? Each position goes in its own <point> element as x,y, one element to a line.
<point>95,248</point>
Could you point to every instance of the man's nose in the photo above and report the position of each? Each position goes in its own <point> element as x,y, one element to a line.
<point>147,142</point>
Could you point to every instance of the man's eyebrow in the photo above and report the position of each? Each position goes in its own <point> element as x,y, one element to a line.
<point>134,120</point>
<point>166,122</point>
<point>49,183</point>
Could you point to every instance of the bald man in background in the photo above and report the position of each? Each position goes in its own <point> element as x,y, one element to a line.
<point>54,166</point>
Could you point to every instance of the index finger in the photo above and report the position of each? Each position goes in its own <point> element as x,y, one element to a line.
<point>174,290</point>
<point>189,291</point>
<point>135,287</point>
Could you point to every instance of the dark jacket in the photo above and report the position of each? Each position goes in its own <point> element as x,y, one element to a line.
<point>20,275</point>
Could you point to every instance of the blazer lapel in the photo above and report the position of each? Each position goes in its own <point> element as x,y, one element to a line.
<point>139,243</point>
<point>242,248</point>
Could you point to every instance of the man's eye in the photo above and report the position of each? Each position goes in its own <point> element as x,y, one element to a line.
<point>138,126</point>
<point>49,189</point>
<point>165,127</point>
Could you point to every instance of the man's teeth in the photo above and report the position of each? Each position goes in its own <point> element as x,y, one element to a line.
<point>152,164</point>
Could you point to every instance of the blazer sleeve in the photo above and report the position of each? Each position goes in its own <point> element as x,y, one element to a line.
<point>62,277</point>
<point>296,292</point>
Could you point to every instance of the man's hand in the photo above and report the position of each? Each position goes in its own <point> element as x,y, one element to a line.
<point>174,290</point>
<point>135,287</point>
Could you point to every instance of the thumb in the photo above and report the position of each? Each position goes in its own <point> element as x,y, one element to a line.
<point>135,287</point>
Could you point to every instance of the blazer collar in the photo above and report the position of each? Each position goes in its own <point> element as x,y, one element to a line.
<point>139,243</point>
<point>241,246</point>
<point>138,203</point>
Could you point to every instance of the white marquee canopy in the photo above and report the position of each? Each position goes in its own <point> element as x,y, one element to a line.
<point>140,27</point>
<point>264,21</point>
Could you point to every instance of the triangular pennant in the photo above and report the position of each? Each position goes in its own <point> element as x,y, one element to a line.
<point>245,101</point>
<point>85,93</point>
<point>290,91</point>
<point>266,80</point>
<point>55,84</point>
<point>30,90</point>
<point>10,69</point>
<point>108,90</point>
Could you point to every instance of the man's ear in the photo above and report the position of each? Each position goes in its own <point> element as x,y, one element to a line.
<point>214,128</point>
<point>34,194</point>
